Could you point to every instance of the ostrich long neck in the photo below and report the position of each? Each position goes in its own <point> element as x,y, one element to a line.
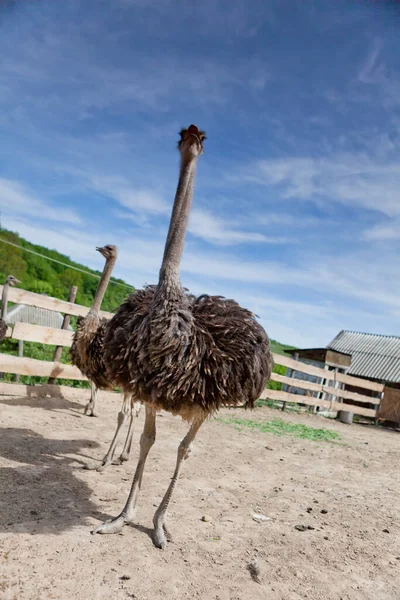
<point>169,271</point>
<point>4,300</point>
<point>101,288</point>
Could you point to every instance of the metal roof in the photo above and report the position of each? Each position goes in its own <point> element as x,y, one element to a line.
<point>373,356</point>
<point>36,316</point>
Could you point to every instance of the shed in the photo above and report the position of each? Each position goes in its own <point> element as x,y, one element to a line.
<point>365,355</point>
<point>375,357</point>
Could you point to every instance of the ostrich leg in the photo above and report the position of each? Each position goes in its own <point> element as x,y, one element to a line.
<point>127,409</point>
<point>161,534</point>
<point>90,408</point>
<point>128,514</point>
<point>135,410</point>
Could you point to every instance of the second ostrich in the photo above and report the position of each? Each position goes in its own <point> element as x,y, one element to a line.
<point>88,342</point>
<point>189,356</point>
<point>10,281</point>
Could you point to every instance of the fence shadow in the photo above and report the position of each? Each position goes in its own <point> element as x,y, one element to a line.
<point>43,494</point>
<point>55,401</point>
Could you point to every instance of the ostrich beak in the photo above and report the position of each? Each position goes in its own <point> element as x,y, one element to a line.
<point>194,131</point>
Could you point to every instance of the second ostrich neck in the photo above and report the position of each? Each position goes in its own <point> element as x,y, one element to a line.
<point>4,299</point>
<point>169,272</point>
<point>102,287</point>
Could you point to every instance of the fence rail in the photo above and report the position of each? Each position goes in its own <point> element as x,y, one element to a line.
<point>21,296</point>
<point>61,337</point>
<point>39,368</point>
<point>310,401</point>
<point>41,334</point>
<point>330,375</point>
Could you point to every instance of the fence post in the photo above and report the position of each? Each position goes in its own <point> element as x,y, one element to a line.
<point>20,354</point>
<point>67,318</point>
<point>377,408</point>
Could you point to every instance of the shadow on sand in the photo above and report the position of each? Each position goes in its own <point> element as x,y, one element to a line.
<point>55,401</point>
<point>43,493</point>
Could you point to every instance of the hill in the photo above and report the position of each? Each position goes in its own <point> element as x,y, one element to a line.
<point>279,348</point>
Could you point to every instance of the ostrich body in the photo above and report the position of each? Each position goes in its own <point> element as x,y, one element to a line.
<point>88,342</point>
<point>189,356</point>
<point>10,281</point>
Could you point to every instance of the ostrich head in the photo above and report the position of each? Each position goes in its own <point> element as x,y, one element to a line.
<point>11,280</point>
<point>191,143</point>
<point>108,251</point>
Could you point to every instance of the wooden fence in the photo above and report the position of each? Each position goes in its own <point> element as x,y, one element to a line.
<point>334,397</point>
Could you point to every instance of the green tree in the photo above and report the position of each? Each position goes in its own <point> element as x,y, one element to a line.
<point>12,261</point>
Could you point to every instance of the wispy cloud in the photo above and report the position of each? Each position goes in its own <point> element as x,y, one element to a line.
<point>15,198</point>
<point>209,227</point>
<point>350,179</point>
<point>375,72</point>
<point>383,232</point>
<point>371,71</point>
<point>135,200</point>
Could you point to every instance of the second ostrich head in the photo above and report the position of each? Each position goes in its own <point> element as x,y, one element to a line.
<point>11,280</point>
<point>108,251</point>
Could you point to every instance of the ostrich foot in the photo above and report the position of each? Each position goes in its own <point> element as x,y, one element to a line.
<point>106,462</point>
<point>90,410</point>
<point>161,535</point>
<point>124,456</point>
<point>114,525</point>
<point>95,466</point>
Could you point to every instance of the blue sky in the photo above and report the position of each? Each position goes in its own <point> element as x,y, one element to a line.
<point>296,211</point>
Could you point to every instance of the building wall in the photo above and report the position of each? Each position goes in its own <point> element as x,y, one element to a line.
<point>390,405</point>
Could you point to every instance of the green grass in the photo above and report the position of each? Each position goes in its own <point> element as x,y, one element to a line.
<point>290,406</point>
<point>279,427</point>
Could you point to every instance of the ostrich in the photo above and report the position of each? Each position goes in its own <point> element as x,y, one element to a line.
<point>11,280</point>
<point>87,345</point>
<point>87,354</point>
<point>189,356</point>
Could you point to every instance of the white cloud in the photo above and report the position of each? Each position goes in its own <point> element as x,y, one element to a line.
<point>209,227</point>
<point>370,70</point>
<point>352,180</point>
<point>383,233</point>
<point>374,72</point>
<point>135,200</point>
<point>15,198</point>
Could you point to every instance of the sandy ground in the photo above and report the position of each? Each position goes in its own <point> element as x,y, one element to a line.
<point>49,504</point>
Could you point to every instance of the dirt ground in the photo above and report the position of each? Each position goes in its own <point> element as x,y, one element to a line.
<point>49,505</point>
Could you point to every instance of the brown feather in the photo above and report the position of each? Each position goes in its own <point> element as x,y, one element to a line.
<point>182,353</point>
<point>87,350</point>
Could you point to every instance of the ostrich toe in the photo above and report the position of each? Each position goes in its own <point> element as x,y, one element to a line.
<point>113,525</point>
<point>90,409</point>
<point>161,535</point>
